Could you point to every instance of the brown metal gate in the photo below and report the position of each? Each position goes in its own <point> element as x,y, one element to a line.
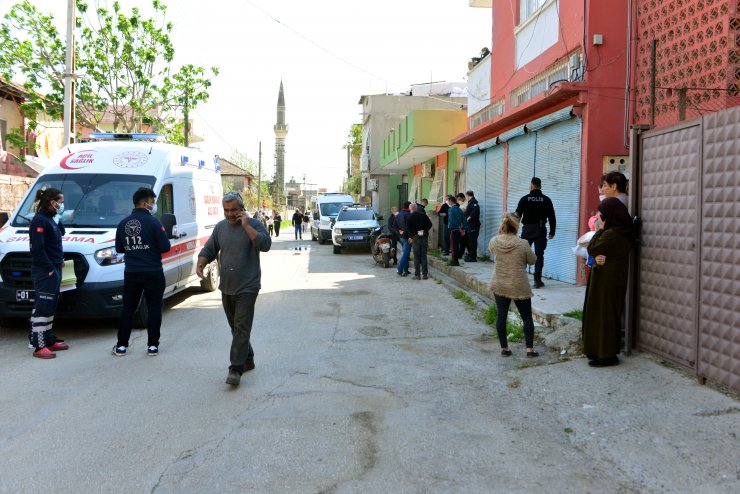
<point>688,283</point>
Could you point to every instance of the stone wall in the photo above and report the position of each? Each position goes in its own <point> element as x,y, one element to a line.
<point>12,190</point>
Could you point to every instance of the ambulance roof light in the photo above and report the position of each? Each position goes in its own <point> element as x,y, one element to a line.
<point>117,136</point>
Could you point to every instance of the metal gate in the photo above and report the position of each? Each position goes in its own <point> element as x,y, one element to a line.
<point>688,284</point>
<point>403,194</point>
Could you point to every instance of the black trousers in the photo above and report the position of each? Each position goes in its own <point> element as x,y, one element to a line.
<point>524,307</point>
<point>151,284</point>
<point>537,235</point>
<point>44,306</point>
<point>420,246</point>
<point>239,311</point>
<point>472,245</point>
<point>445,240</point>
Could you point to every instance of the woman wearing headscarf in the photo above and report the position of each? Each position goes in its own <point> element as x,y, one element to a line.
<point>47,259</point>
<point>607,284</point>
<point>509,281</point>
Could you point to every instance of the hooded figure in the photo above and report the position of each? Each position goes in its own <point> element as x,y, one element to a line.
<point>607,284</point>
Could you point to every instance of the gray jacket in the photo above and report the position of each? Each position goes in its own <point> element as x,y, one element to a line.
<point>239,256</point>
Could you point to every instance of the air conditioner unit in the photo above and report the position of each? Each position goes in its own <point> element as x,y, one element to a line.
<point>427,170</point>
<point>372,184</point>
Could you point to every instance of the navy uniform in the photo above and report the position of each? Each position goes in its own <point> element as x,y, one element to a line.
<point>536,210</point>
<point>142,239</point>
<point>472,212</point>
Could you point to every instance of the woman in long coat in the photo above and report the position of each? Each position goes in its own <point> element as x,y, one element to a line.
<point>607,284</point>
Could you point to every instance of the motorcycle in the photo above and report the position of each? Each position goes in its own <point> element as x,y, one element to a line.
<point>381,247</point>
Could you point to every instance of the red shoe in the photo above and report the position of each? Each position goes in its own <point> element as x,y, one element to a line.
<point>44,353</point>
<point>59,345</point>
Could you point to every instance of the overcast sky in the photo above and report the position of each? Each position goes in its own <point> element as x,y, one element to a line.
<point>328,54</point>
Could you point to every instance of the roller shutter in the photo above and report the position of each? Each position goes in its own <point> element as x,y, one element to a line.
<point>558,164</point>
<point>493,210</point>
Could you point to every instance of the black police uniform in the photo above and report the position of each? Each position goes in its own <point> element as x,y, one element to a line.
<point>142,239</point>
<point>535,209</point>
<point>472,212</point>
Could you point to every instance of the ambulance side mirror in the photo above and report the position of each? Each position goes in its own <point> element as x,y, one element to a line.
<point>3,218</point>
<point>169,222</point>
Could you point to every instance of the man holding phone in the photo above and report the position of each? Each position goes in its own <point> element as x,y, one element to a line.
<point>239,240</point>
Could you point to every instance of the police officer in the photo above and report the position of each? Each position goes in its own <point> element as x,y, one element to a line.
<point>472,213</point>
<point>142,239</point>
<point>535,209</point>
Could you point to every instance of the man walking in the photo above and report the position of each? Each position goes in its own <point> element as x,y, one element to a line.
<point>536,210</point>
<point>297,221</point>
<point>457,225</point>
<point>443,230</point>
<point>403,235</point>
<point>472,214</point>
<point>239,240</point>
<point>142,239</point>
<point>419,225</point>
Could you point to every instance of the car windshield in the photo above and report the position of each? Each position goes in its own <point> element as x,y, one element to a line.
<point>331,208</point>
<point>356,215</point>
<point>90,200</point>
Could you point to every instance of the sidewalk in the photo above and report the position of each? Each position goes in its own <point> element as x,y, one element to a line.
<point>548,303</point>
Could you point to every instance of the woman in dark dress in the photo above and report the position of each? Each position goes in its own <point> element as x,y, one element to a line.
<point>607,284</point>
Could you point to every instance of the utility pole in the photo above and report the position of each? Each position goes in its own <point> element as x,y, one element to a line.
<point>69,113</point>
<point>349,146</point>
<point>259,178</point>
<point>187,119</point>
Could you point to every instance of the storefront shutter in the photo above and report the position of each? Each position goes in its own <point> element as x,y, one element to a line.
<point>558,164</point>
<point>493,211</point>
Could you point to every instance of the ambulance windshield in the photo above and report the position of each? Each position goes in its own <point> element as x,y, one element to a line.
<point>90,199</point>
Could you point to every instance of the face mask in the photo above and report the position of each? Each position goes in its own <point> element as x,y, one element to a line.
<point>60,208</point>
<point>601,197</point>
<point>152,208</point>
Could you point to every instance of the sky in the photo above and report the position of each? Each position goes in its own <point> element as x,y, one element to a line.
<point>328,54</point>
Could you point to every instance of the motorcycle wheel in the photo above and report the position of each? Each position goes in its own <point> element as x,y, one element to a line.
<point>386,260</point>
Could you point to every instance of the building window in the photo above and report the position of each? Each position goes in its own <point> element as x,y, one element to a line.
<point>528,7</point>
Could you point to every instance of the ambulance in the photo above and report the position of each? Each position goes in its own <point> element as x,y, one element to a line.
<point>98,179</point>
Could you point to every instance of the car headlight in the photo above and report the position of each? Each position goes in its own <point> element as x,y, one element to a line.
<point>338,231</point>
<point>108,256</point>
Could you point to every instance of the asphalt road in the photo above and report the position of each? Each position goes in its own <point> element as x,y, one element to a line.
<point>365,382</point>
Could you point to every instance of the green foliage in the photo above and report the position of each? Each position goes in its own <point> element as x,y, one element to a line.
<point>434,253</point>
<point>575,314</point>
<point>353,186</point>
<point>354,139</point>
<point>514,329</point>
<point>243,161</point>
<point>490,315</point>
<point>461,295</point>
<point>124,59</point>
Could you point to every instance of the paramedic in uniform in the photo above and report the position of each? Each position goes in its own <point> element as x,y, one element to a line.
<point>142,239</point>
<point>535,210</point>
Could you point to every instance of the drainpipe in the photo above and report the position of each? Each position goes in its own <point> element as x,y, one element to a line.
<point>628,80</point>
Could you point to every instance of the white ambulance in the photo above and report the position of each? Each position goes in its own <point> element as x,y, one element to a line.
<point>98,179</point>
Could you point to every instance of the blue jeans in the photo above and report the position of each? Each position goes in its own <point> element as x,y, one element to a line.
<point>298,231</point>
<point>403,264</point>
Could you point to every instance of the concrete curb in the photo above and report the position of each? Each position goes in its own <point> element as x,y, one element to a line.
<point>560,332</point>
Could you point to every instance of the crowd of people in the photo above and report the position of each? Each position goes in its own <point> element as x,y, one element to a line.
<point>238,239</point>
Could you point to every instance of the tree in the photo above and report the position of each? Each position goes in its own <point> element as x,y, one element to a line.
<point>353,186</point>
<point>354,143</point>
<point>243,161</point>
<point>124,64</point>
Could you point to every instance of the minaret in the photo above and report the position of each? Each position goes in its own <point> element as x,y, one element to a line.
<point>281,130</point>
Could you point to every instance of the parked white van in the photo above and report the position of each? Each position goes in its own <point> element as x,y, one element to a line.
<point>325,208</point>
<point>98,179</point>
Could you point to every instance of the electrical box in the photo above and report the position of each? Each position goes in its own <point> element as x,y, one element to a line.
<point>617,164</point>
<point>372,184</point>
<point>598,39</point>
<point>575,61</point>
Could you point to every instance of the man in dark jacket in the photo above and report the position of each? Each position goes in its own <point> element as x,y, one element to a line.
<point>535,209</point>
<point>393,231</point>
<point>457,225</point>
<point>297,221</point>
<point>443,230</point>
<point>419,225</point>
<point>142,239</point>
<point>403,234</point>
<point>472,214</point>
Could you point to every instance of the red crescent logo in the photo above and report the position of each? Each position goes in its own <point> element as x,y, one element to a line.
<point>64,164</point>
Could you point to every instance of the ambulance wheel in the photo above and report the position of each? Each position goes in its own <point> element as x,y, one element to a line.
<point>210,283</point>
<point>141,316</point>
